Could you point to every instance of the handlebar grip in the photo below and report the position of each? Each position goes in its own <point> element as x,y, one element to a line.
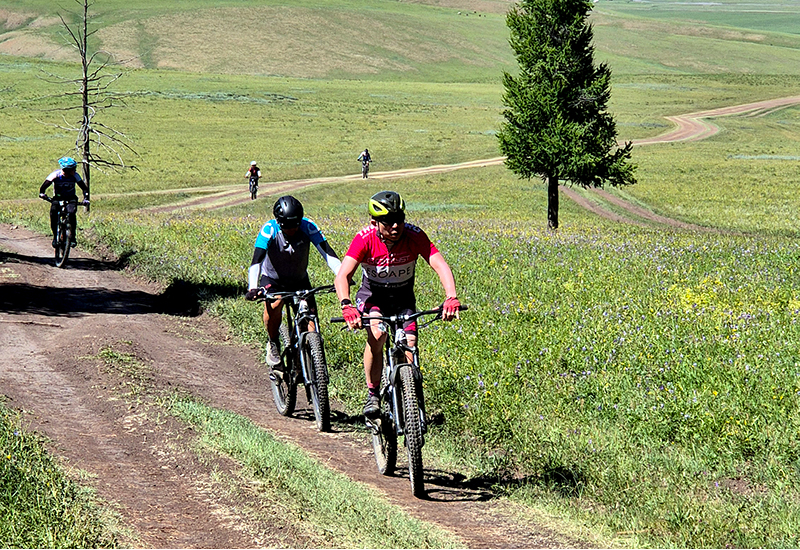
<point>463,308</point>
<point>337,320</point>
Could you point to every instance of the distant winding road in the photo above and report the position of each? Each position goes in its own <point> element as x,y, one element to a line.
<point>689,127</point>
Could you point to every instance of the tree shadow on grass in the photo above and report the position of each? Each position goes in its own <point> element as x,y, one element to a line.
<point>72,264</point>
<point>181,299</point>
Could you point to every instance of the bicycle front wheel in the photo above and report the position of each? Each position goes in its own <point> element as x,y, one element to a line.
<point>284,388</point>
<point>384,436</point>
<point>62,245</point>
<point>412,430</point>
<point>315,357</point>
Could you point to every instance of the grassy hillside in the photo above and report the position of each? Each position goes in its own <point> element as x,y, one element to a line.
<point>779,16</point>
<point>431,41</point>
<point>637,379</point>
<point>405,41</point>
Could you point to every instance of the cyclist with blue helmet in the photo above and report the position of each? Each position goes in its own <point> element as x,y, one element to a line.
<point>64,181</point>
<point>280,263</point>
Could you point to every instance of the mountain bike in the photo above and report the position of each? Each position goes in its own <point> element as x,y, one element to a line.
<point>63,237</point>
<point>402,401</point>
<point>303,356</point>
<point>253,188</point>
<point>364,168</point>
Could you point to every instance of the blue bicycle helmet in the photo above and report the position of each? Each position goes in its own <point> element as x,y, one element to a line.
<point>67,162</point>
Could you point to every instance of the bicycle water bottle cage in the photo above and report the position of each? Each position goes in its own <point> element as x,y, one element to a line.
<point>303,307</point>
<point>400,336</point>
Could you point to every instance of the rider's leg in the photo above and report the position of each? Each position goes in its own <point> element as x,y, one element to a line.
<point>272,322</point>
<point>373,354</point>
<point>272,318</point>
<point>373,361</point>
<point>412,341</point>
<point>54,220</point>
<point>72,219</point>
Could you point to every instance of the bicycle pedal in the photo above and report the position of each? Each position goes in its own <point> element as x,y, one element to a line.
<point>374,425</point>
<point>276,375</point>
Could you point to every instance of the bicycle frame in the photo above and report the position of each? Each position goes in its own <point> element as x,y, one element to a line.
<point>395,357</point>
<point>298,315</point>
<point>401,395</point>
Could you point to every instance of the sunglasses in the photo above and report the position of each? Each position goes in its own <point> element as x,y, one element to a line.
<point>391,220</point>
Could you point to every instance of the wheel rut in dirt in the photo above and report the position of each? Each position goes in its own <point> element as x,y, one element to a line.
<point>54,324</point>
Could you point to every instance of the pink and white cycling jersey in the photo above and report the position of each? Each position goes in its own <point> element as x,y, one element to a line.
<point>390,270</point>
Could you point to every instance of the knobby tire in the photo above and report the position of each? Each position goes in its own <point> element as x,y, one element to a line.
<point>63,245</point>
<point>284,390</point>
<point>413,430</point>
<point>315,357</point>
<point>384,441</point>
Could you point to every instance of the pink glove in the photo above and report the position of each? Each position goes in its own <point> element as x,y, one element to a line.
<point>450,308</point>
<point>351,315</point>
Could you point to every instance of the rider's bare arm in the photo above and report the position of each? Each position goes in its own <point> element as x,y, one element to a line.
<point>445,274</point>
<point>342,284</point>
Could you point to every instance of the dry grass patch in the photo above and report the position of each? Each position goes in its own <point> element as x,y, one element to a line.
<point>25,44</point>
<point>11,20</point>
<point>294,42</point>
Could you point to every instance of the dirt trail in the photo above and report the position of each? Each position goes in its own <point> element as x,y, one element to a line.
<point>53,324</point>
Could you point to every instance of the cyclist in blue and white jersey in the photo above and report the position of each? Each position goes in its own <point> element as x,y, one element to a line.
<point>64,181</point>
<point>280,263</point>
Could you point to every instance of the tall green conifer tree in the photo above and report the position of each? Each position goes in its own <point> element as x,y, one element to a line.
<point>557,127</point>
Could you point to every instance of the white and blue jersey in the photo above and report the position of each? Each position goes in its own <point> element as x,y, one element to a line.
<point>64,185</point>
<point>284,259</point>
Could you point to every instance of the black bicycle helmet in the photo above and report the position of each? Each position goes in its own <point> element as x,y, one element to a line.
<point>386,203</point>
<point>288,211</point>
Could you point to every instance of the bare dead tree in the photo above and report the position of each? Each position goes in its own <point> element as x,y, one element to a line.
<point>97,144</point>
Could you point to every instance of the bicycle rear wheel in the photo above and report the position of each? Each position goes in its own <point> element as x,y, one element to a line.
<point>63,239</point>
<point>412,430</point>
<point>284,388</point>
<point>315,356</point>
<point>384,437</point>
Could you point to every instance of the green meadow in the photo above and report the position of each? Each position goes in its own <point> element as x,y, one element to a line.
<point>640,382</point>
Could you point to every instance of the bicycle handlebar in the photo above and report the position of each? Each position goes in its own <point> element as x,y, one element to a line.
<point>53,199</point>
<point>399,318</point>
<point>299,293</point>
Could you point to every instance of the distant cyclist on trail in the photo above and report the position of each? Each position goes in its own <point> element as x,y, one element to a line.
<point>254,174</point>
<point>64,181</point>
<point>280,263</point>
<point>387,250</point>
<point>365,159</point>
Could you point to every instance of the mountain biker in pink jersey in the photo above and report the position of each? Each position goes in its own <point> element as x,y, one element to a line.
<point>64,182</point>
<point>387,250</point>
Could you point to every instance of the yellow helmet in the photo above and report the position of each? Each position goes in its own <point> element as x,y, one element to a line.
<point>386,203</point>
